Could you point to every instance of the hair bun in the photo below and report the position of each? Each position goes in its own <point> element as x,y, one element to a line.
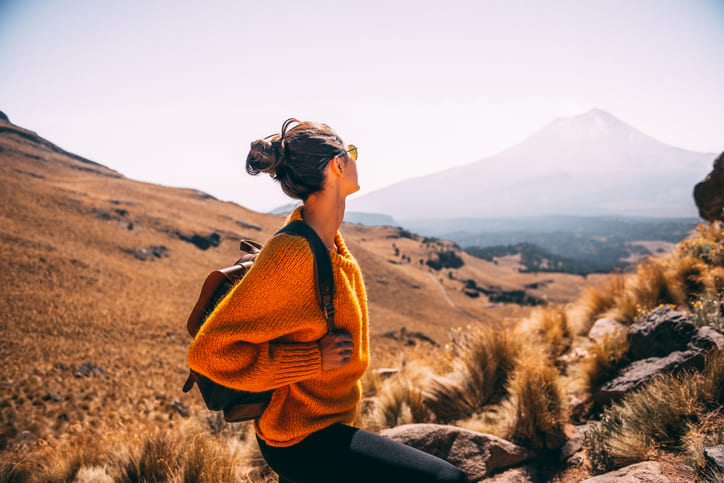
<point>265,157</point>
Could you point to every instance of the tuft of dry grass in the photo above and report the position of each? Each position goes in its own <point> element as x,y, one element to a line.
<point>182,454</point>
<point>537,396</point>
<point>401,400</point>
<point>660,415</point>
<point>625,297</point>
<point>605,359</point>
<point>547,328</point>
<point>478,376</point>
<point>598,300</point>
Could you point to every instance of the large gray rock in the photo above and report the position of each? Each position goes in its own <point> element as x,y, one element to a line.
<point>644,371</point>
<point>476,454</point>
<point>605,328</point>
<point>661,332</point>
<point>709,194</point>
<point>716,455</point>
<point>648,472</point>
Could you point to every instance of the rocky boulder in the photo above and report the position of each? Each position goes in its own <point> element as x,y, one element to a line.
<point>663,342</point>
<point>476,454</point>
<point>648,471</point>
<point>605,328</point>
<point>640,373</point>
<point>660,333</point>
<point>709,194</point>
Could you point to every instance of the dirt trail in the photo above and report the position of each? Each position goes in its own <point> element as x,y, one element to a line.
<point>447,297</point>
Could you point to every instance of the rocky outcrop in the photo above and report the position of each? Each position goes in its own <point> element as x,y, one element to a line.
<point>660,333</point>
<point>476,454</point>
<point>709,194</point>
<point>663,342</point>
<point>605,328</point>
<point>648,472</point>
<point>640,373</point>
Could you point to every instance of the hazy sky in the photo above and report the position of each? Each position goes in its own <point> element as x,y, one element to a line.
<point>173,92</point>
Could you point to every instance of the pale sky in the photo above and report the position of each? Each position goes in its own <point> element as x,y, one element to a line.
<point>173,92</point>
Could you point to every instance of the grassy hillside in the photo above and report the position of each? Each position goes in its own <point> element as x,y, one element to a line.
<point>99,274</point>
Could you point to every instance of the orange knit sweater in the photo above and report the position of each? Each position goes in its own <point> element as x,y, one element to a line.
<point>264,335</point>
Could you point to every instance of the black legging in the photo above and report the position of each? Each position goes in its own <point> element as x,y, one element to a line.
<point>341,454</point>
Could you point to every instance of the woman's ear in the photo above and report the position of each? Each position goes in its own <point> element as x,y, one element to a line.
<point>336,165</point>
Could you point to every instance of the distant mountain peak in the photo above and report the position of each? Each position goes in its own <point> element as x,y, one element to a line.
<point>595,119</point>
<point>588,163</point>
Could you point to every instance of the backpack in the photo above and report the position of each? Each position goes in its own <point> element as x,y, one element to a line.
<point>242,405</point>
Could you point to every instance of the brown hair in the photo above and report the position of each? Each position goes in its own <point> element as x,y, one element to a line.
<point>295,157</point>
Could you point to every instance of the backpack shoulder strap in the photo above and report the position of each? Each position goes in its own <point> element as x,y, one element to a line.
<point>322,267</point>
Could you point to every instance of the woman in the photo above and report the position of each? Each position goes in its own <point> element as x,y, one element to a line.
<point>269,332</point>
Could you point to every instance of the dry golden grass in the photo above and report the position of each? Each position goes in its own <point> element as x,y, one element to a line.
<point>477,377</point>
<point>660,416</point>
<point>598,300</point>
<point>605,358</point>
<point>400,400</point>
<point>187,453</point>
<point>537,396</point>
<point>74,295</point>
<point>548,328</point>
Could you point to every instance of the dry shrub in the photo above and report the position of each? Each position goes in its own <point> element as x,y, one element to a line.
<point>708,310</point>
<point>547,328</point>
<point>689,272</point>
<point>658,416</point>
<point>536,393</point>
<point>625,297</point>
<point>183,454</point>
<point>606,357</point>
<point>705,433</point>
<point>45,463</point>
<point>712,387</point>
<point>714,279</point>
<point>480,372</point>
<point>648,288</point>
<point>596,301</point>
<point>400,400</point>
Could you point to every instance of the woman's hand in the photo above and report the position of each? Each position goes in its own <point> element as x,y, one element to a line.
<point>337,349</point>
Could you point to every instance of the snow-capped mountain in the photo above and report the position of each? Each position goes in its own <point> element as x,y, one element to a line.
<point>590,164</point>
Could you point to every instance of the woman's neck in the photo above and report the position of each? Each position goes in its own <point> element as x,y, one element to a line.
<point>324,212</point>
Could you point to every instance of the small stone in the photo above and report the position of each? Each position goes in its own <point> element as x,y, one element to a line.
<point>180,408</point>
<point>88,369</point>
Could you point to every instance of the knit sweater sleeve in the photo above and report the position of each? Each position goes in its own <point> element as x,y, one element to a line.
<point>251,341</point>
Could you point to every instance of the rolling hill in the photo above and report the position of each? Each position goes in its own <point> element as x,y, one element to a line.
<point>99,272</point>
